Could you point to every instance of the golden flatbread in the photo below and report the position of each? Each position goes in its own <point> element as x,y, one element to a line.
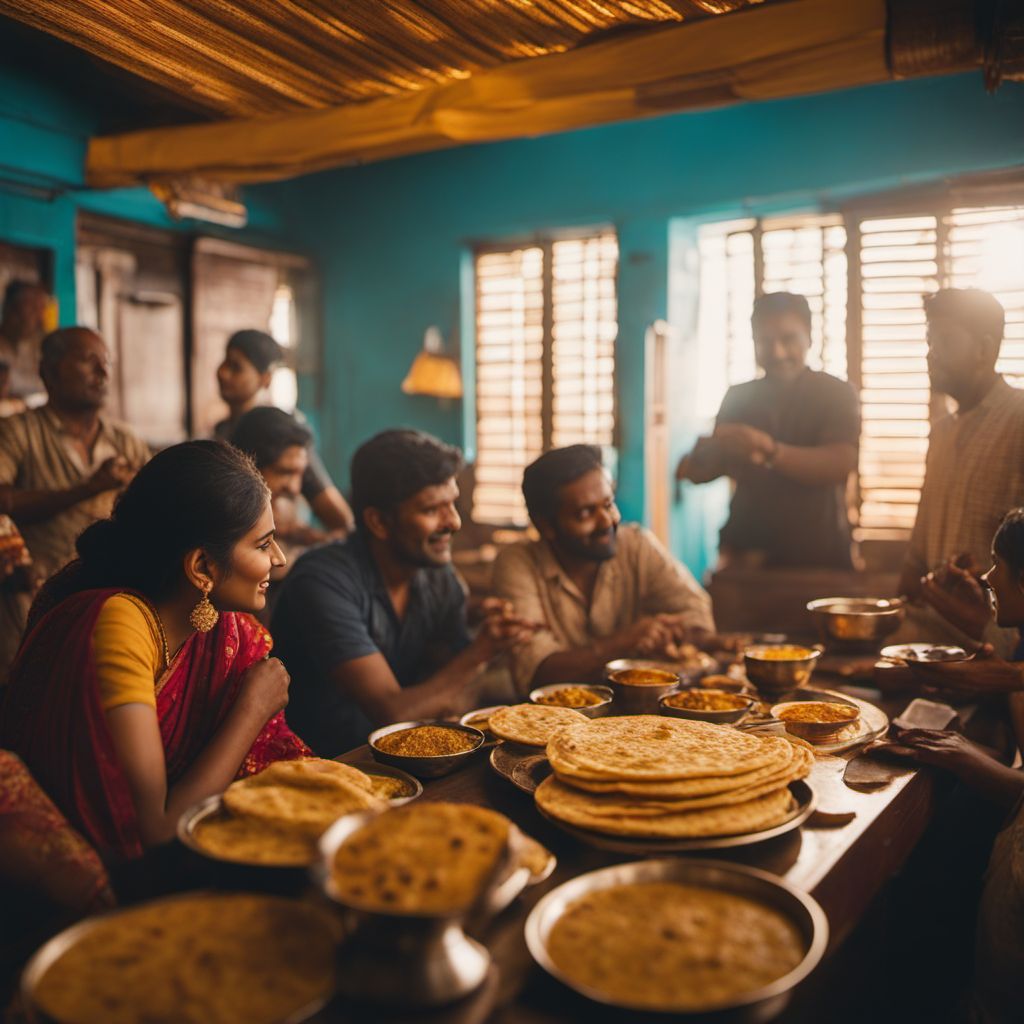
<point>532,724</point>
<point>574,807</point>
<point>254,841</point>
<point>667,946</point>
<point>210,958</point>
<point>649,748</point>
<point>615,805</point>
<point>424,858</point>
<point>306,796</point>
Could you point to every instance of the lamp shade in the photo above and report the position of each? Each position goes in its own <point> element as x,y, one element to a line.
<point>435,375</point>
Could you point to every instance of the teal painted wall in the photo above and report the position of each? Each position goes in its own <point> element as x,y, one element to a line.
<point>43,135</point>
<point>392,237</point>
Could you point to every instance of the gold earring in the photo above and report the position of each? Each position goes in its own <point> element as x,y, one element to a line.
<point>204,616</point>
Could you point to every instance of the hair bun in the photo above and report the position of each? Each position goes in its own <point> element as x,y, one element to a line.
<point>99,545</point>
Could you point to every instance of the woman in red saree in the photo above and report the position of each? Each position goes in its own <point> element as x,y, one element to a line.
<point>187,552</point>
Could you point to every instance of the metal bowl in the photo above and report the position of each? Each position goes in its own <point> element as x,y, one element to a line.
<point>756,1006</point>
<point>856,623</point>
<point>631,699</point>
<point>774,678</point>
<point>425,767</point>
<point>725,716</point>
<point>816,732</point>
<point>390,772</point>
<point>49,953</point>
<point>591,710</point>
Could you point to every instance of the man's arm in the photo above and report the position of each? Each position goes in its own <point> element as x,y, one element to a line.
<point>817,465</point>
<point>37,506</point>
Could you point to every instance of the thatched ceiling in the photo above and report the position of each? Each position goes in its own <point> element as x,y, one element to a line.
<point>240,58</point>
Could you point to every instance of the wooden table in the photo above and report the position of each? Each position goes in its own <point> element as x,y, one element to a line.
<point>844,868</point>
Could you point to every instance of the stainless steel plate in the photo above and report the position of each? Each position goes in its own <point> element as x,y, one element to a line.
<point>805,804</point>
<point>507,758</point>
<point>737,879</point>
<point>926,654</point>
<point>390,772</point>
<point>49,953</point>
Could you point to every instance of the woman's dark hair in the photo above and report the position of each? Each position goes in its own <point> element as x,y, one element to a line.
<point>544,476</point>
<point>258,347</point>
<point>200,494</point>
<point>782,302</point>
<point>265,433</point>
<point>1008,542</point>
<point>395,464</point>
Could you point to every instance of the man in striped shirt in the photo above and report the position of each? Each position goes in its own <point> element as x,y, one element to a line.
<point>975,468</point>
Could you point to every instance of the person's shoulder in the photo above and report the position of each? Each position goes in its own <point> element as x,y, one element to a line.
<point>522,554</point>
<point>340,565</point>
<point>124,435</point>
<point>744,392</point>
<point>829,386</point>
<point>633,539</point>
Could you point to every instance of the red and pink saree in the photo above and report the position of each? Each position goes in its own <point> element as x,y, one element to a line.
<point>52,716</point>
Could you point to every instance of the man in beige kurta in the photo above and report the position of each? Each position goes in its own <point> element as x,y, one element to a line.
<point>61,465</point>
<point>603,591</point>
<point>974,472</point>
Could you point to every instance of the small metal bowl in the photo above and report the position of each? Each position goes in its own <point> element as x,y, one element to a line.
<point>725,716</point>
<point>815,732</point>
<point>390,772</point>
<point>774,678</point>
<point>467,719</point>
<point>591,710</point>
<point>759,1005</point>
<point>634,699</point>
<point>856,623</point>
<point>425,767</point>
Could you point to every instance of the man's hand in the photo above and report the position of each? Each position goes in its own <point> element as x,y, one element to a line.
<point>943,748</point>
<point>113,474</point>
<point>957,594</point>
<point>743,443</point>
<point>984,675</point>
<point>501,629</point>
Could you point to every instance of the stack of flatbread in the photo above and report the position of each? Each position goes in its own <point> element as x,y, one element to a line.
<point>652,777</point>
<point>276,816</point>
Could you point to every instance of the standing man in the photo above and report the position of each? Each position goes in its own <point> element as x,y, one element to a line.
<point>975,468</point>
<point>789,439</point>
<point>604,591</point>
<point>61,465</point>
<point>22,320</point>
<point>373,629</point>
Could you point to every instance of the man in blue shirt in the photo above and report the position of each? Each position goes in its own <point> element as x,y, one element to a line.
<point>373,629</point>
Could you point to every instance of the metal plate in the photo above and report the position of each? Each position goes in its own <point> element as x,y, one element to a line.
<point>802,793</point>
<point>873,721</point>
<point>737,879</point>
<point>49,953</point>
<point>506,758</point>
<point>925,654</point>
<point>390,772</point>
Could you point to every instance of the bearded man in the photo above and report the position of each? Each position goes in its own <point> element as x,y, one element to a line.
<point>603,590</point>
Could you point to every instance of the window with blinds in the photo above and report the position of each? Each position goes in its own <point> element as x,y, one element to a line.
<point>546,321</point>
<point>897,259</point>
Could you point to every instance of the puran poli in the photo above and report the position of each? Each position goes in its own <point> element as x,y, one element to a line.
<point>254,841</point>
<point>303,796</point>
<point>648,748</point>
<point>574,807</point>
<point>708,786</point>
<point>668,946</point>
<point>423,858</point>
<point>613,805</point>
<point>202,958</point>
<point>532,724</point>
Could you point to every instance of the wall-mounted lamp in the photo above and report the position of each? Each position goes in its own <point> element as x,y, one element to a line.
<point>433,373</point>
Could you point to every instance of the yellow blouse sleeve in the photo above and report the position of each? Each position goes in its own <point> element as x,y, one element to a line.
<point>127,652</point>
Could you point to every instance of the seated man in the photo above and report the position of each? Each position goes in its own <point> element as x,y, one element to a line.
<point>22,326</point>
<point>61,465</point>
<point>373,629</point>
<point>603,591</point>
<point>789,439</point>
<point>974,470</point>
